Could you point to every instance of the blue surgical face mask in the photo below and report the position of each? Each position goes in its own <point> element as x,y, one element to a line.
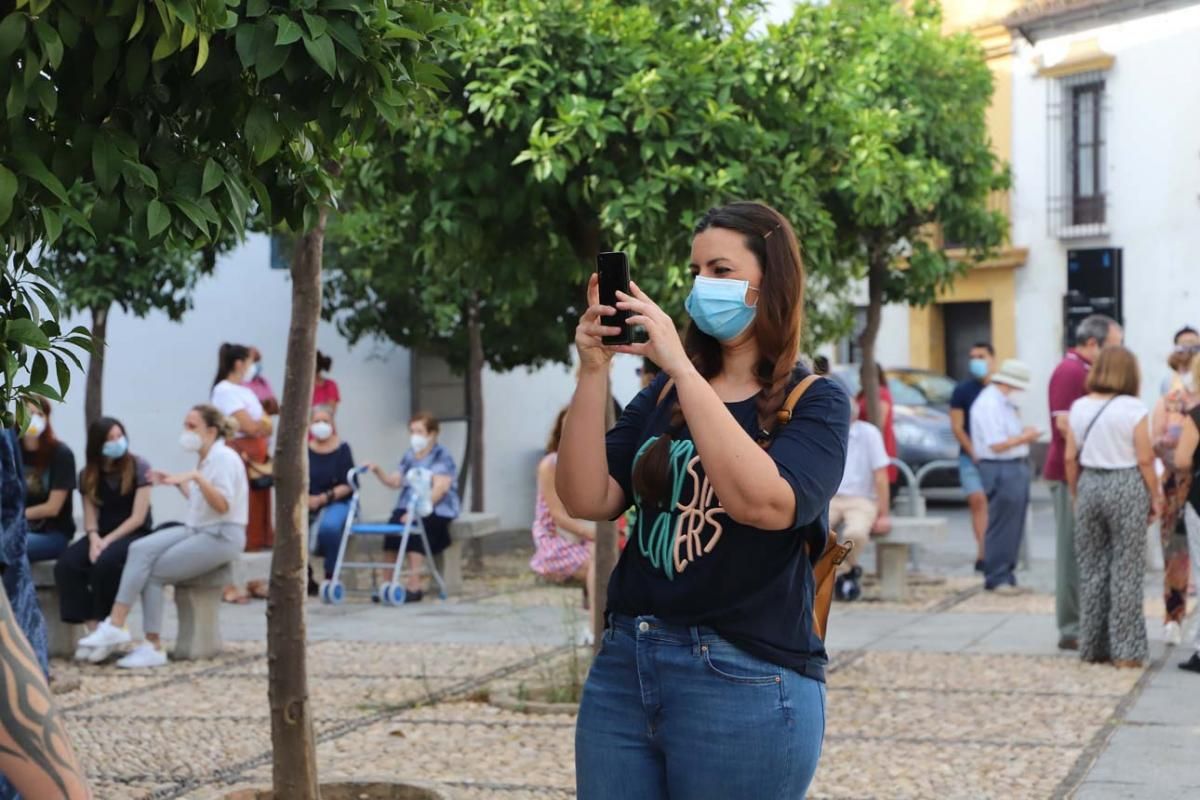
<point>718,307</point>
<point>115,448</point>
<point>979,367</point>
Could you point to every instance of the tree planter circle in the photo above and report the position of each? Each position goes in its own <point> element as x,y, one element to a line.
<point>529,702</point>
<point>354,790</point>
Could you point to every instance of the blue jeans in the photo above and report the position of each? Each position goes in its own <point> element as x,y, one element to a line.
<point>329,533</point>
<point>45,546</point>
<point>678,712</point>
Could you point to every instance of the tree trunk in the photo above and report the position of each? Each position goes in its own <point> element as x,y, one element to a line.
<point>475,401</point>
<point>93,398</point>
<point>876,275</point>
<point>606,544</point>
<point>292,741</point>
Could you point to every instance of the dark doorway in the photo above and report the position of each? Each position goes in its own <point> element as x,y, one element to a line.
<point>966,325</point>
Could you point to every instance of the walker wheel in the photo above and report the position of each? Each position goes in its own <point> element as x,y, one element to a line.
<point>392,594</point>
<point>332,592</point>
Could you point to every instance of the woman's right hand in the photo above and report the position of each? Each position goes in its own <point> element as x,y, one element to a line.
<point>592,351</point>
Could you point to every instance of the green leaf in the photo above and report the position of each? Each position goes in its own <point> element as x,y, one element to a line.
<point>158,218</point>
<point>26,332</point>
<point>141,172</point>
<point>138,20</point>
<point>213,175</point>
<point>193,212</point>
<point>268,58</point>
<point>201,53</point>
<point>256,8</point>
<point>33,167</point>
<point>15,102</point>
<point>53,224</point>
<point>52,45</point>
<point>399,32</point>
<point>8,190</point>
<point>47,96</point>
<point>42,390</point>
<point>63,369</point>
<point>244,43</point>
<point>322,51</point>
<point>262,133</point>
<point>77,219</point>
<point>39,369</point>
<point>345,35</point>
<point>317,26</point>
<point>12,33</point>
<point>165,45</point>
<point>106,161</point>
<point>289,31</point>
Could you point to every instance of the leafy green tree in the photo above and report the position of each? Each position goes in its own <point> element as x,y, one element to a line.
<point>183,117</point>
<point>93,275</point>
<point>900,123</point>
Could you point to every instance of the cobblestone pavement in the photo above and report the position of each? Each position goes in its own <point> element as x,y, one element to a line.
<point>957,719</point>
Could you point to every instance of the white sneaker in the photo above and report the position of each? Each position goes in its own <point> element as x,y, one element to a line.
<point>106,635</point>
<point>100,654</point>
<point>143,656</point>
<point>1173,633</point>
<point>82,653</point>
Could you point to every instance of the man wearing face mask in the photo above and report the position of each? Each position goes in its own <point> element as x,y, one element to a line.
<point>1001,446</point>
<point>982,364</point>
<point>1068,383</point>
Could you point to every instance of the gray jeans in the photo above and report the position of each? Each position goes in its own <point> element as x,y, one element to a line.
<point>1007,487</point>
<point>171,556</point>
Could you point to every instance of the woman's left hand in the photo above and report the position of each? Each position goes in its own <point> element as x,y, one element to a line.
<point>663,345</point>
<point>178,480</point>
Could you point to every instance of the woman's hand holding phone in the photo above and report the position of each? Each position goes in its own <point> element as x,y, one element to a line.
<point>593,353</point>
<point>663,345</point>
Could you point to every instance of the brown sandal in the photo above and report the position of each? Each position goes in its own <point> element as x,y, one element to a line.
<point>258,589</point>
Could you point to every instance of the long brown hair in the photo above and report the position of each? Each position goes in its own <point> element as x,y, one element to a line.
<point>556,432</point>
<point>777,324</point>
<point>47,442</point>
<point>125,465</point>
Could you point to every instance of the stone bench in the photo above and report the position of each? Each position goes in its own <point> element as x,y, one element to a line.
<point>197,601</point>
<point>892,551</point>
<point>467,531</point>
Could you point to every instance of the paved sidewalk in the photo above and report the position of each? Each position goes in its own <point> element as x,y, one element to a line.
<point>953,694</point>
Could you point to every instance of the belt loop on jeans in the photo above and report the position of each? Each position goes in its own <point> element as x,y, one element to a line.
<point>695,633</point>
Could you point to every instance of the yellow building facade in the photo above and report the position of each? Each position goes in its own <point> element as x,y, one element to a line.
<point>982,303</point>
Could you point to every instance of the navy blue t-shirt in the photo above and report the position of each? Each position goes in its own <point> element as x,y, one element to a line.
<point>964,397</point>
<point>698,566</point>
<point>327,471</point>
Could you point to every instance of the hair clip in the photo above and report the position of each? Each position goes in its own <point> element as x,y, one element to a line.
<point>767,235</point>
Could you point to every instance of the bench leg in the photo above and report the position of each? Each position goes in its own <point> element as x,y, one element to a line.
<point>199,621</point>
<point>893,570</point>
<point>63,637</point>
<point>450,564</point>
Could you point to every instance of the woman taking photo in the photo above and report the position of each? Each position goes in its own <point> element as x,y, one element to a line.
<point>1110,473</point>
<point>715,594</point>
<point>253,443</point>
<point>49,482</point>
<point>213,535</point>
<point>562,544</point>
<point>115,485</point>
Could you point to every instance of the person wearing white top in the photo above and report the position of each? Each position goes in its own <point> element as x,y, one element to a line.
<point>233,398</point>
<point>214,534</point>
<point>1109,462</point>
<point>1001,447</point>
<point>861,504</point>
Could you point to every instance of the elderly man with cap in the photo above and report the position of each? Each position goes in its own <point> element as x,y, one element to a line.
<point>1001,445</point>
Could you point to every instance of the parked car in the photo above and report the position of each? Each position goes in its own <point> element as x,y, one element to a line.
<point>921,419</point>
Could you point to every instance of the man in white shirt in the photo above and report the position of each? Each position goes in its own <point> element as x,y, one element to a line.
<point>860,506</point>
<point>1001,447</point>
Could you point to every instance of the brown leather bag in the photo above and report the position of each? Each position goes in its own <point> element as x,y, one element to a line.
<point>825,570</point>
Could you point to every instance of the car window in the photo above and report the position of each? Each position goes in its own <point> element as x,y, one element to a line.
<point>935,389</point>
<point>905,395</point>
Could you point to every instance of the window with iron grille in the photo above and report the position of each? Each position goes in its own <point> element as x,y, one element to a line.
<point>1077,198</point>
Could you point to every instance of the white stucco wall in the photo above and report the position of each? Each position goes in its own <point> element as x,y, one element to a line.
<point>1153,178</point>
<point>157,369</point>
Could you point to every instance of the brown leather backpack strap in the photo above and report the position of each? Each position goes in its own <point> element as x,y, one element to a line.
<point>784,415</point>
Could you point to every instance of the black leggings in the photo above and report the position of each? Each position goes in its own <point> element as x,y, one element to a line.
<point>86,591</point>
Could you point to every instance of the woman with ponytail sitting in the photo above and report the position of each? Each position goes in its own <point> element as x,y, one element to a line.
<point>714,590</point>
<point>213,535</point>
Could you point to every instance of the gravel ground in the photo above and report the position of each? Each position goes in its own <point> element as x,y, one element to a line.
<point>900,725</point>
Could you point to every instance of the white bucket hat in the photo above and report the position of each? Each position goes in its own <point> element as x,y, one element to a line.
<point>1012,373</point>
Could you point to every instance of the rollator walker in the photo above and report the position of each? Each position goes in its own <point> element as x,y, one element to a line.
<point>420,505</point>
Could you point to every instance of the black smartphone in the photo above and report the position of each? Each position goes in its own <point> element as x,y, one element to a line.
<point>613,269</point>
